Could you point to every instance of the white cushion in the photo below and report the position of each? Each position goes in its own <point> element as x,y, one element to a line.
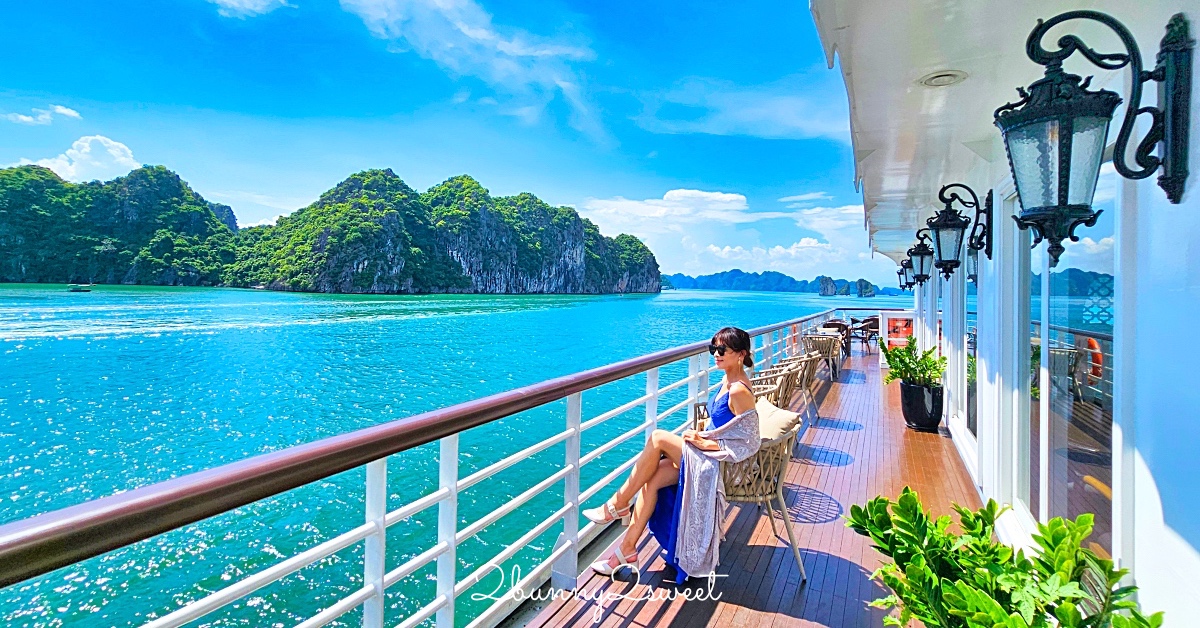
<point>774,422</point>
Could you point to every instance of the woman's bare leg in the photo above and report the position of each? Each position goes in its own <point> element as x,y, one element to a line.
<point>661,442</point>
<point>666,475</point>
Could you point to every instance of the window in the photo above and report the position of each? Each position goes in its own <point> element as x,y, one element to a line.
<point>1029,268</point>
<point>1079,398</point>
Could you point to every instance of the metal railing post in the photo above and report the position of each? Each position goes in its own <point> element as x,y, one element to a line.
<point>652,402</point>
<point>374,557</point>
<point>702,365</point>
<point>565,572</point>
<point>447,563</point>
<point>693,388</point>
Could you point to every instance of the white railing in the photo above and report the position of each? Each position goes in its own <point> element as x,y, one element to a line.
<point>560,566</point>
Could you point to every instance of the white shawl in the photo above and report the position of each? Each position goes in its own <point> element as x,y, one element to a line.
<point>698,537</point>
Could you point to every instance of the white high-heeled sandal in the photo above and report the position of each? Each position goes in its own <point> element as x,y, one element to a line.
<point>607,512</point>
<point>603,567</point>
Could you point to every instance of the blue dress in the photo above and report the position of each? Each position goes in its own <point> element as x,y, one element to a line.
<point>664,522</point>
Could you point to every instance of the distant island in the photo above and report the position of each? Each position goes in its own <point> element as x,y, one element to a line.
<point>771,281</point>
<point>369,234</point>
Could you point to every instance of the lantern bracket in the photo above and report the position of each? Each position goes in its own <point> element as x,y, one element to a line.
<point>980,237</point>
<point>1173,73</point>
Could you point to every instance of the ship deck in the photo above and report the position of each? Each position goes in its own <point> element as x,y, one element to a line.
<point>858,448</point>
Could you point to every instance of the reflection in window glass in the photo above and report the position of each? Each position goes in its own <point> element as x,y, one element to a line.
<point>1029,353</point>
<point>972,354</point>
<point>1080,367</point>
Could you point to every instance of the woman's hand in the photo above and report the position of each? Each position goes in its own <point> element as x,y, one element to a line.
<point>699,442</point>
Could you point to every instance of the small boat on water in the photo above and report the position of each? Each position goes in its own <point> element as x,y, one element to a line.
<point>80,287</point>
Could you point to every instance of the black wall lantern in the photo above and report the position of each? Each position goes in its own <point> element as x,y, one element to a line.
<point>950,227</point>
<point>907,274</point>
<point>972,265</point>
<point>922,258</point>
<point>1056,134</point>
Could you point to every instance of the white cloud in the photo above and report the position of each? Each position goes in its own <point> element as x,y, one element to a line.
<point>288,204</point>
<point>66,111</point>
<point>675,211</point>
<point>1093,247</point>
<point>802,201</point>
<point>265,222</point>
<point>1089,254</point>
<point>1107,185</point>
<point>90,157</point>
<point>811,196</point>
<point>700,232</point>
<point>43,116</point>
<point>795,107</point>
<point>247,8</point>
<point>839,249</point>
<point>461,38</point>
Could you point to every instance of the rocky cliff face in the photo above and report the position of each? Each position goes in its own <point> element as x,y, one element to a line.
<point>372,233</point>
<point>224,213</point>
<point>369,234</point>
<point>865,288</point>
<point>828,287</point>
<point>147,227</point>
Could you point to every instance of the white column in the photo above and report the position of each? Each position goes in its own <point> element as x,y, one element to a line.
<point>374,557</point>
<point>921,322</point>
<point>565,573</point>
<point>955,306</point>
<point>447,528</point>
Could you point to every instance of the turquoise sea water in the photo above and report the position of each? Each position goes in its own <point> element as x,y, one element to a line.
<point>121,387</point>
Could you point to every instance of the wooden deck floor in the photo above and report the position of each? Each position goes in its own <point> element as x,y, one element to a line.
<point>858,448</point>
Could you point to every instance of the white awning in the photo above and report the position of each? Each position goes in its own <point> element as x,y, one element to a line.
<point>909,138</point>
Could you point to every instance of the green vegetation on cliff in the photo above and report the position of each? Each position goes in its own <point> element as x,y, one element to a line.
<point>370,233</point>
<point>145,227</point>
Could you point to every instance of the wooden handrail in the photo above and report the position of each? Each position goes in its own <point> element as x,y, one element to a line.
<point>42,543</point>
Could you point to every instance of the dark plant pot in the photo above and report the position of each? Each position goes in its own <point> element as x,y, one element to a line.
<point>921,405</point>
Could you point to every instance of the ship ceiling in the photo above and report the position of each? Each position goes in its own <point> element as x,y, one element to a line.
<point>910,139</point>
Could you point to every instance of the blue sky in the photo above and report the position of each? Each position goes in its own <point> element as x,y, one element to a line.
<point>715,134</point>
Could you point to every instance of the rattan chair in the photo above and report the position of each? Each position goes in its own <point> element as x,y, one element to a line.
<point>776,387</point>
<point>829,346</point>
<point>866,332</point>
<point>759,480</point>
<point>1064,364</point>
<point>842,328</point>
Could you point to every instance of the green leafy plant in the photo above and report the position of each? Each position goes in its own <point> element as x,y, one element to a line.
<point>965,579</point>
<point>1035,365</point>
<point>972,369</point>
<point>909,364</point>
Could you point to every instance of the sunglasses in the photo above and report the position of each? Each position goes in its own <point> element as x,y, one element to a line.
<point>717,349</point>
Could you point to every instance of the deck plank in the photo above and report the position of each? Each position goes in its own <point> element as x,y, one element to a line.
<point>856,449</point>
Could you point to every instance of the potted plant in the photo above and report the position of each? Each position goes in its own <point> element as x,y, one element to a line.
<point>958,576</point>
<point>920,375</point>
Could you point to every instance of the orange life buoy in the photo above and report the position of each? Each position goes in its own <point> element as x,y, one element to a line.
<point>1097,362</point>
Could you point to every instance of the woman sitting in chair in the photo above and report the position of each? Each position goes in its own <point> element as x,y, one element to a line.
<point>677,478</point>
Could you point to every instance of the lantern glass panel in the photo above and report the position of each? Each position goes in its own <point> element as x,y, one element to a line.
<point>1087,149</point>
<point>972,263</point>
<point>947,243</point>
<point>923,264</point>
<point>1033,150</point>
